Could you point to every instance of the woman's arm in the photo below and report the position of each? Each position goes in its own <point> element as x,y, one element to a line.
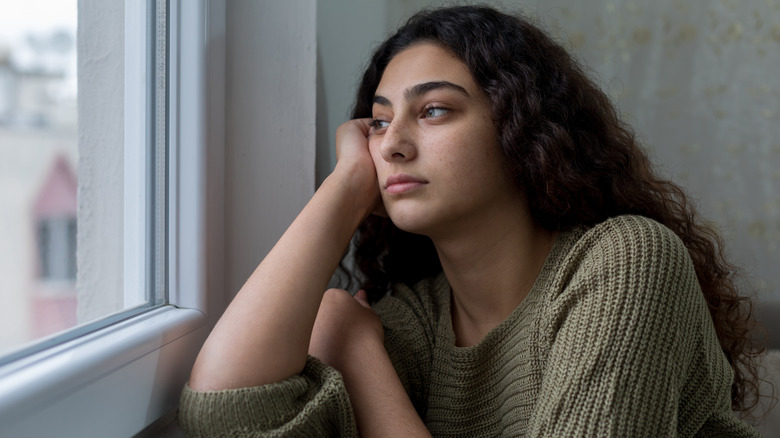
<point>267,330</point>
<point>348,336</point>
<point>264,334</point>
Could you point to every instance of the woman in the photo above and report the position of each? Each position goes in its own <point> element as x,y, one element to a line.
<point>530,274</point>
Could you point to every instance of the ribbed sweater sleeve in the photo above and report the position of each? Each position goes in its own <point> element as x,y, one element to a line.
<point>312,404</point>
<point>633,351</point>
<point>315,403</point>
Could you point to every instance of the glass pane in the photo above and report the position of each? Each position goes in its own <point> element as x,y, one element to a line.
<point>38,169</point>
<point>63,169</point>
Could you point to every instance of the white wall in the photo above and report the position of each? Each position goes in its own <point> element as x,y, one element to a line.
<point>270,126</point>
<point>101,157</point>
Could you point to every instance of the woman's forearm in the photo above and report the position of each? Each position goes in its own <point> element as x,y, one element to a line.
<point>382,407</point>
<point>263,336</point>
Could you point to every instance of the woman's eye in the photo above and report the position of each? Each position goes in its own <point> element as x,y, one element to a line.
<point>379,124</point>
<point>433,113</point>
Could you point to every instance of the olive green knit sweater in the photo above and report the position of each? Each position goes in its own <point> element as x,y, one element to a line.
<point>614,339</point>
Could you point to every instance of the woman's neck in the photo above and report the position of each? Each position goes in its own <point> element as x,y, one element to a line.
<point>491,269</point>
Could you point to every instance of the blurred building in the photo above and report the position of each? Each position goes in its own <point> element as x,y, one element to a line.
<point>38,189</point>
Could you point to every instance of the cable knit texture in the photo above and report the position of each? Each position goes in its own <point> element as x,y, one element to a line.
<point>614,339</point>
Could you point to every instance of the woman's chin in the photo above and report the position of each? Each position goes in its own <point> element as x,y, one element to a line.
<point>411,223</point>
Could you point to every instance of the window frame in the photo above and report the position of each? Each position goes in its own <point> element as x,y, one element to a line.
<point>117,380</point>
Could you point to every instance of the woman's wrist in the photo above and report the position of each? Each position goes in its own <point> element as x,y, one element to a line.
<point>380,403</point>
<point>358,187</point>
<point>365,351</point>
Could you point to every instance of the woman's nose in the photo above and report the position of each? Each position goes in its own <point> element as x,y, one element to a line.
<point>398,142</point>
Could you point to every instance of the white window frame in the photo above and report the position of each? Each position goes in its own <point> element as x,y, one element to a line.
<point>118,380</point>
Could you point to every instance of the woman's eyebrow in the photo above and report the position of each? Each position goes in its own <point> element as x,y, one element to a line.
<point>421,89</point>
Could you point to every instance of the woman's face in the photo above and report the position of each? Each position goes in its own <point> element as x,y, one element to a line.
<point>435,147</point>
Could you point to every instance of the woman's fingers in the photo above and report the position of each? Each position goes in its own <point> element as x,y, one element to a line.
<point>352,136</point>
<point>362,297</point>
<point>355,161</point>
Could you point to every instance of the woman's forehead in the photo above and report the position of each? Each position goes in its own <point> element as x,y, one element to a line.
<point>420,64</point>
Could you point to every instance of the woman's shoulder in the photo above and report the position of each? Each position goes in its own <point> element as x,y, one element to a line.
<point>628,273</point>
<point>630,240</point>
<point>625,253</point>
<point>632,230</point>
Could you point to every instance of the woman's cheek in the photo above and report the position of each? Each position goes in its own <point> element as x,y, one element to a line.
<point>373,149</point>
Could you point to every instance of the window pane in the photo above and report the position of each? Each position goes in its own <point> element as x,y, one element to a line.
<point>63,168</point>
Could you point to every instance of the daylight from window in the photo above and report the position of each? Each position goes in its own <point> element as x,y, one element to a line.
<point>38,175</point>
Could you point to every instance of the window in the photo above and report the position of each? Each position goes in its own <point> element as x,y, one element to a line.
<point>71,164</point>
<point>55,219</point>
<point>39,153</point>
<point>57,248</point>
<point>129,307</point>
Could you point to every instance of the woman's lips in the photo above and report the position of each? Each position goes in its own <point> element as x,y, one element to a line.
<point>402,183</point>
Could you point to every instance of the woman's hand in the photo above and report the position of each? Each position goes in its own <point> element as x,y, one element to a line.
<point>355,163</point>
<point>345,327</point>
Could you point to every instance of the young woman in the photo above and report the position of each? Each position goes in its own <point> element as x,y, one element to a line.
<point>529,274</point>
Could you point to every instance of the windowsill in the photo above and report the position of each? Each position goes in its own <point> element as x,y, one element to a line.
<point>113,382</point>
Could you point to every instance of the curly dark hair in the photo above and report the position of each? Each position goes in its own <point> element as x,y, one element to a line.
<point>576,161</point>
